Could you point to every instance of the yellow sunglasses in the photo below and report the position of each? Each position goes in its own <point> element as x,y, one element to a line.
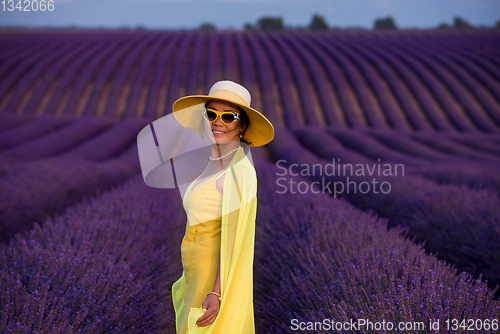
<point>227,117</point>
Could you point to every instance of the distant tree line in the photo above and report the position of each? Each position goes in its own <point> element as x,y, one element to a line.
<point>458,23</point>
<point>318,22</point>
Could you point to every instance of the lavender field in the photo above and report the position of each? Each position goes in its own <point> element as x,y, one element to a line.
<point>88,247</point>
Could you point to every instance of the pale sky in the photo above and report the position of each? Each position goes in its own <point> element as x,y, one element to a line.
<point>178,14</point>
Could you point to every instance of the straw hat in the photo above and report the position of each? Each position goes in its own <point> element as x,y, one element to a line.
<point>187,111</point>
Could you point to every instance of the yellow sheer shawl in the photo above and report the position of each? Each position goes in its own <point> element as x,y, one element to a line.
<point>239,207</point>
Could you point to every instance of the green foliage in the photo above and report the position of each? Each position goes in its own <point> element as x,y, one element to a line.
<point>460,23</point>
<point>318,23</point>
<point>444,25</point>
<point>207,26</point>
<point>270,23</point>
<point>497,25</point>
<point>249,26</point>
<point>384,23</point>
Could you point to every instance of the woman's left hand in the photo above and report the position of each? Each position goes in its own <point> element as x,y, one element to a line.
<point>211,305</point>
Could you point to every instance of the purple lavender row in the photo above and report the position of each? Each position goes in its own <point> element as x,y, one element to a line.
<point>485,49</point>
<point>245,63</point>
<point>269,96</point>
<point>474,176</point>
<point>436,98</point>
<point>443,166</point>
<point>61,140</point>
<point>108,265</point>
<point>401,142</point>
<point>34,77</point>
<point>372,113</point>
<point>393,114</point>
<point>347,104</point>
<point>153,98</point>
<point>228,56</point>
<point>452,110</point>
<point>9,121</point>
<point>438,166</point>
<point>104,77</point>
<point>456,148</point>
<point>32,191</point>
<point>77,77</point>
<point>32,130</point>
<point>110,143</point>
<point>486,74</point>
<point>376,151</point>
<point>68,58</point>
<point>125,74</point>
<point>472,108</point>
<point>327,260</point>
<point>15,68</point>
<point>422,96</point>
<point>431,83</point>
<point>176,77</point>
<point>325,146</point>
<point>212,66</point>
<point>146,67</point>
<point>408,105</point>
<point>104,266</point>
<point>480,142</point>
<point>87,102</point>
<point>464,150</point>
<point>283,81</point>
<point>249,73</point>
<point>327,103</point>
<point>474,95</point>
<point>11,49</point>
<point>195,66</point>
<point>460,224</point>
<point>308,106</point>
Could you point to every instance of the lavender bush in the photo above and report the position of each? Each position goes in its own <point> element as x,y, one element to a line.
<point>107,265</point>
<point>460,224</point>
<point>328,260</point>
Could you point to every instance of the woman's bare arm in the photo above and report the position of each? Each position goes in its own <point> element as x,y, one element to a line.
<point>216,287</point>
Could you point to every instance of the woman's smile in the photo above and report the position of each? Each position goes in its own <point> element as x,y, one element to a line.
<point>217,132</point>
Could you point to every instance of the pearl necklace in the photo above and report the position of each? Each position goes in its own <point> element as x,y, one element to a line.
<point>225,155</point>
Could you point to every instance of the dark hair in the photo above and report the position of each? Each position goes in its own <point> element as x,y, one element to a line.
<point>245,121</point>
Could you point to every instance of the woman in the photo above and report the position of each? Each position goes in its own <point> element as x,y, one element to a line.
<point>215,292</point>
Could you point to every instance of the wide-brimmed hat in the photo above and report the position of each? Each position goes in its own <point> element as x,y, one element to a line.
<point>188,111</point>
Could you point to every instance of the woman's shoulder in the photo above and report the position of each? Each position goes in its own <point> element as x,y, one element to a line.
<point>244,168</point>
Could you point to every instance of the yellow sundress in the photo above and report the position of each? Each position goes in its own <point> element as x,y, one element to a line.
<point>201,243</point>
<point>211,229</point>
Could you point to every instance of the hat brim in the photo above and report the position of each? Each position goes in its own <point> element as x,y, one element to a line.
<point>259,132</point>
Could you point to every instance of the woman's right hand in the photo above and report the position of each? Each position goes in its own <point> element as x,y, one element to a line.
<point>211,305</point>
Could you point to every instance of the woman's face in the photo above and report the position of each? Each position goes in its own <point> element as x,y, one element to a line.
<point>222,132</point>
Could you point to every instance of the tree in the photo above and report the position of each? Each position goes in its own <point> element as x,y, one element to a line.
<point>207,26</point>
<point>270,23</point>
<point>460,23</point>
<point>318,23</point>
<point>444,26</point>
<point>249,26</point>
<point>384,23</point>
<point>497,25</point>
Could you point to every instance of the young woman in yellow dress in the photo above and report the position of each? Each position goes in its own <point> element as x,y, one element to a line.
<point>215,292</point>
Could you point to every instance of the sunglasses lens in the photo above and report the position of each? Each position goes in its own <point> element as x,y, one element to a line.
<point>211,115</point>
<point>228,118</point>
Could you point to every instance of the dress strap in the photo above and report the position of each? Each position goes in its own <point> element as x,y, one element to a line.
<point>221,173</point>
